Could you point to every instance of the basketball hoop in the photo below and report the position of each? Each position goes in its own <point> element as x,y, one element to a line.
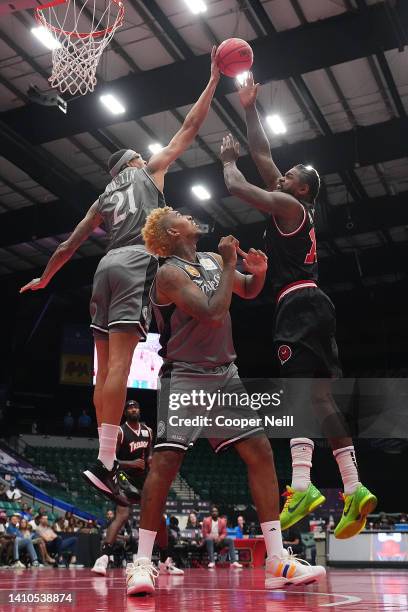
<point>81,31</point>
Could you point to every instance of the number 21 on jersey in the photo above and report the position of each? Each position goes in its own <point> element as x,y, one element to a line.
<point>128,197</point>
<point>311,257</point>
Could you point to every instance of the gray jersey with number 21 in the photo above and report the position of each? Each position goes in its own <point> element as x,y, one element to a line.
<point>125,204</point>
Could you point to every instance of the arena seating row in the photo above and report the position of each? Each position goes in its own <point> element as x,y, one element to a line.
<point>67,464</point>
<point>224,476</point>
<point>10,507</point>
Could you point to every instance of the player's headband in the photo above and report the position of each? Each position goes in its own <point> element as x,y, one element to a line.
<point>126,157</point>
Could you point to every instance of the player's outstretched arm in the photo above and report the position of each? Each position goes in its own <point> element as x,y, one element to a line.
<point>158,164</point>
<point>66,249</point>
<point>174,286</point>
<point>257,139</point>
<point>248,286</point>
<point>282,205</point>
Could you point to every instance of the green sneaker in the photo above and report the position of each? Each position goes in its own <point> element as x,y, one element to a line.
<point>299,504</point>
<point>356,508</point>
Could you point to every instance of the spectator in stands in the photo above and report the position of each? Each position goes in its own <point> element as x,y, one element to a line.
<point>38,543</point>
<point>68,516</point>
<point>6,541</point>
<point>55,544</point>
<point>26,511</point>
<point>13,494</point>
<point>68,423</point>
<point>84,424</point>
<point>174,529</point>
<point>72,526</point>
<point>34,428</point>
<point>241,525</point>
<point>192,522</point>
<point>403,518</point>
<point>59,525</point>
<point>383,523</point>
<point>110,515</point>
<point>34,522</point>
<point>195,542</point>
<point>21,543</point>
<point>291,538</point>
<point>3,491</point>
<point>215,536</point>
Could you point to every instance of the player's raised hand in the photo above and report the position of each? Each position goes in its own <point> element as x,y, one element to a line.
<point>227,248</point>
<point>255,261</point>
<point>247,91</point>
<point>229,151</point>
<point>215,71</point>
<point>33,285</point>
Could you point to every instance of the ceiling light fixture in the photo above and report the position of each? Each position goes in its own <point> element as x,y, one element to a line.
<point>276,124</point>
<point>201,192</point>
<point>113,104</point>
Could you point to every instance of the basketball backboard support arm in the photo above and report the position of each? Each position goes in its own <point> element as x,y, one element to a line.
<point>45,98</point>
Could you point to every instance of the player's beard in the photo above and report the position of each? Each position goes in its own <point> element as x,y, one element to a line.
<point>133,418</point>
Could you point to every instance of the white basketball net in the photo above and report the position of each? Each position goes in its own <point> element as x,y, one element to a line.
<point>81,30</point>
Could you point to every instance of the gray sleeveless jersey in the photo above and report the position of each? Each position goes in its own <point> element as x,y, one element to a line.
<point>185,339</point>
<point>125,204</point>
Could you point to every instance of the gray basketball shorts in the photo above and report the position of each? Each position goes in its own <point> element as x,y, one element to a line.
<point>202,402</point>
<point>120,294</point>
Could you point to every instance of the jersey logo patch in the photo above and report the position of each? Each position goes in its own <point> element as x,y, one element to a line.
<point>191,270</point>
<point>208,264</point>
<point>145,433</point>
<point>284,353</point>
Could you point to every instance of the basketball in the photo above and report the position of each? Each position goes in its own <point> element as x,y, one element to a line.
<point>234,56</point>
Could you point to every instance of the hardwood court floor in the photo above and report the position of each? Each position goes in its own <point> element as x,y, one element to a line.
<point>201,590</point>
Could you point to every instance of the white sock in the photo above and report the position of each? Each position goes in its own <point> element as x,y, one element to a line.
<point>107,444</point>
<point>347,462</point>
<point>99,432</point>
<point>273,538</point>
<point>302,451</point>
<point>146,543</point>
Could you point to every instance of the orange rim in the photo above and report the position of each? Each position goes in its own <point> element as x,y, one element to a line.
<point>42,20</point>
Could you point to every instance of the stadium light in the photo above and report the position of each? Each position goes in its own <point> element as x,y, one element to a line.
<point>201,192</point>
<point>155,147</point>
<point>46,38</point>
<point>196,6</point>
<point>276,124</point>
<point>242,77</point>
<point>113,104</point>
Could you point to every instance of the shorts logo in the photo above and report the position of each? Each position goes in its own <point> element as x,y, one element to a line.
<point>284,353</point>
<point>191,270</point>
<point>161,428</point>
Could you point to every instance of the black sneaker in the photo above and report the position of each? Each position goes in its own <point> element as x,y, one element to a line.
<point>132,493</point>
<point>106,482</point>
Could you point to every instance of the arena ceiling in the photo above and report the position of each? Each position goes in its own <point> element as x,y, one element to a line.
<point>334,70</point>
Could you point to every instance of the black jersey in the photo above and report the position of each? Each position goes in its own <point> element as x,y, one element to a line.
<point>134,444</point>
<point>292,257</point>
